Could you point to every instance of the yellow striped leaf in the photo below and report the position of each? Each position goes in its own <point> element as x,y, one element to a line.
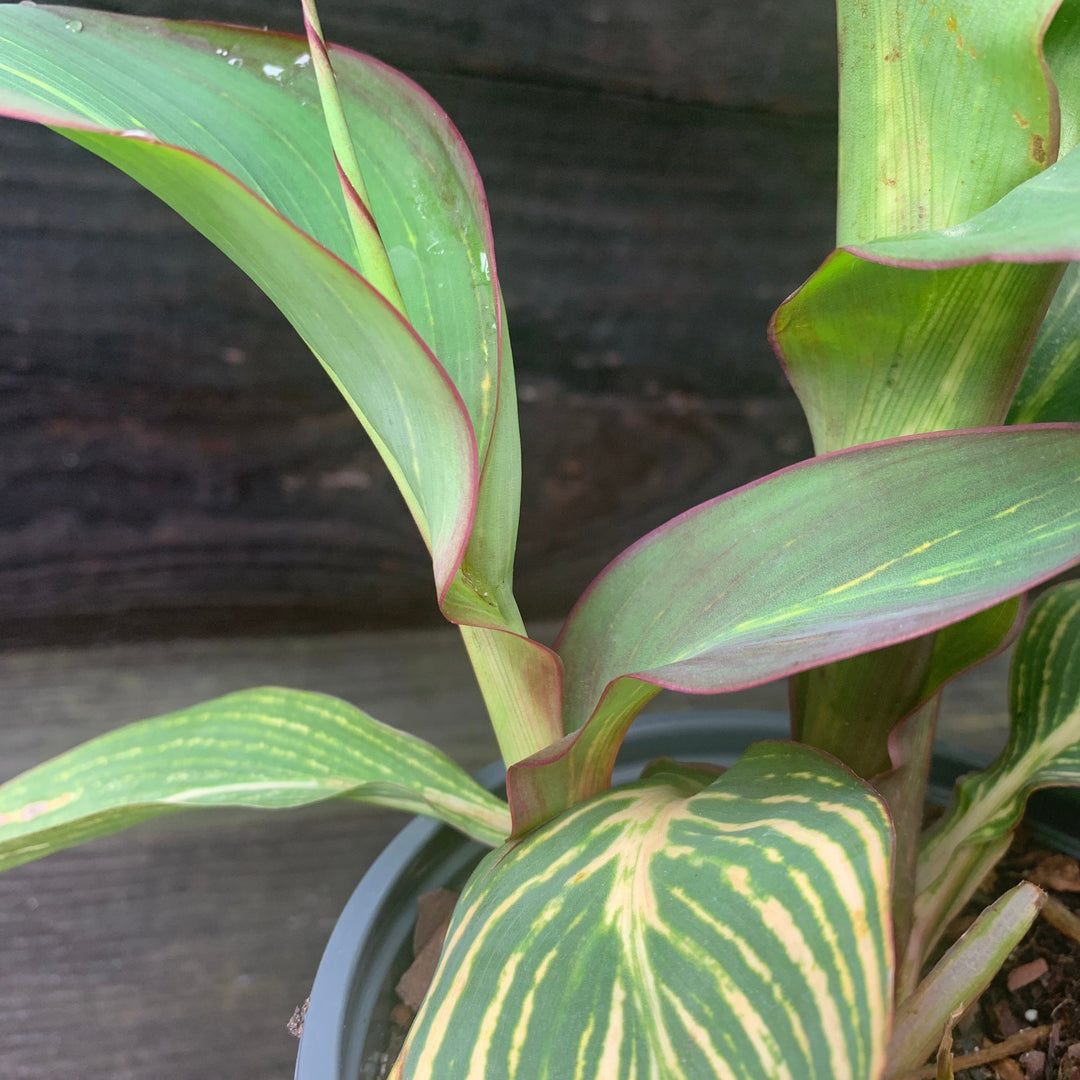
<point>735,931</point>
<point>265,748</point>
<point>1043,751</point>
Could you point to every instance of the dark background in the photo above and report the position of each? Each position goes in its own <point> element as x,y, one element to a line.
<point>172,461</point>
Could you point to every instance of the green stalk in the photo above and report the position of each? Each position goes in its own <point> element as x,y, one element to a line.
<point>905,792</point>
<point>849,708</point>
<point>521,688</point>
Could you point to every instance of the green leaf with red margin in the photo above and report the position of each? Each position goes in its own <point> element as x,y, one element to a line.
<point>225,125</point>
<point>943,112</point>
<point>835,556</point>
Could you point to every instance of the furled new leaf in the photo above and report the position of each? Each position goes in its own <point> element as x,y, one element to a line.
<point>835,556</point>
<point>225,125</point>
<point>265,748</point>
<point>1043,751</point>
<point>742,929</point>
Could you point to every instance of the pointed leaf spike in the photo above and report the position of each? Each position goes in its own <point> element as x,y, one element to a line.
<point>961,975</point>
<point>373,261</point>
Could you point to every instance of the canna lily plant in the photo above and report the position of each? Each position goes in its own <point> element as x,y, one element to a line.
<point>780,919</point>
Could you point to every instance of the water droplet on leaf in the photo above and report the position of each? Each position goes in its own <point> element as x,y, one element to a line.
<point>302,60</point>
<point>272,71</point>
<point>74,25</point>
<point>236,61</point>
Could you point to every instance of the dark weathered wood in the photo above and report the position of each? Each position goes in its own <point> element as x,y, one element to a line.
<point>764,54</point>
<point>177,951</point>
<point>171,459</point>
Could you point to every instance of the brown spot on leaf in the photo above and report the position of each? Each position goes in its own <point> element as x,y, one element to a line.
<point>1038,149</point>
<point>950,24</point>
<point>1020,120</point>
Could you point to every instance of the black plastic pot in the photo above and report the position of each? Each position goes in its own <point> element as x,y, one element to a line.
<point>348,1016</point>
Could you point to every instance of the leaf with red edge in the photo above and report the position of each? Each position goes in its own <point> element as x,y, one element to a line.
<point>832,557</point>
<point>225,125</point>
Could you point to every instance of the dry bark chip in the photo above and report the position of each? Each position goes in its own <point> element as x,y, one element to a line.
<point>1027,973</point>
<point>1058,872</point>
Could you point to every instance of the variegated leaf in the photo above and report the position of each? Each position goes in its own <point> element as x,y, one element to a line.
<point>265,748</point>
<point>1043,751</point>
<point>230,127</point>
<point>738,931</point>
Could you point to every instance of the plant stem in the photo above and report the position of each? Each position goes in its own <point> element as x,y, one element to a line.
<point>904,789</point>
<point>521,681</point>
<point>849,708</point>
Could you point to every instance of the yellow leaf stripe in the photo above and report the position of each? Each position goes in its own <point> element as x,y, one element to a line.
<point>266,748</point>
<point>662,930</point>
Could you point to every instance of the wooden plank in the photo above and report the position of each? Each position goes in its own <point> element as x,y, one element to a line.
<point>172,461</point>
<point>770,55</point>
